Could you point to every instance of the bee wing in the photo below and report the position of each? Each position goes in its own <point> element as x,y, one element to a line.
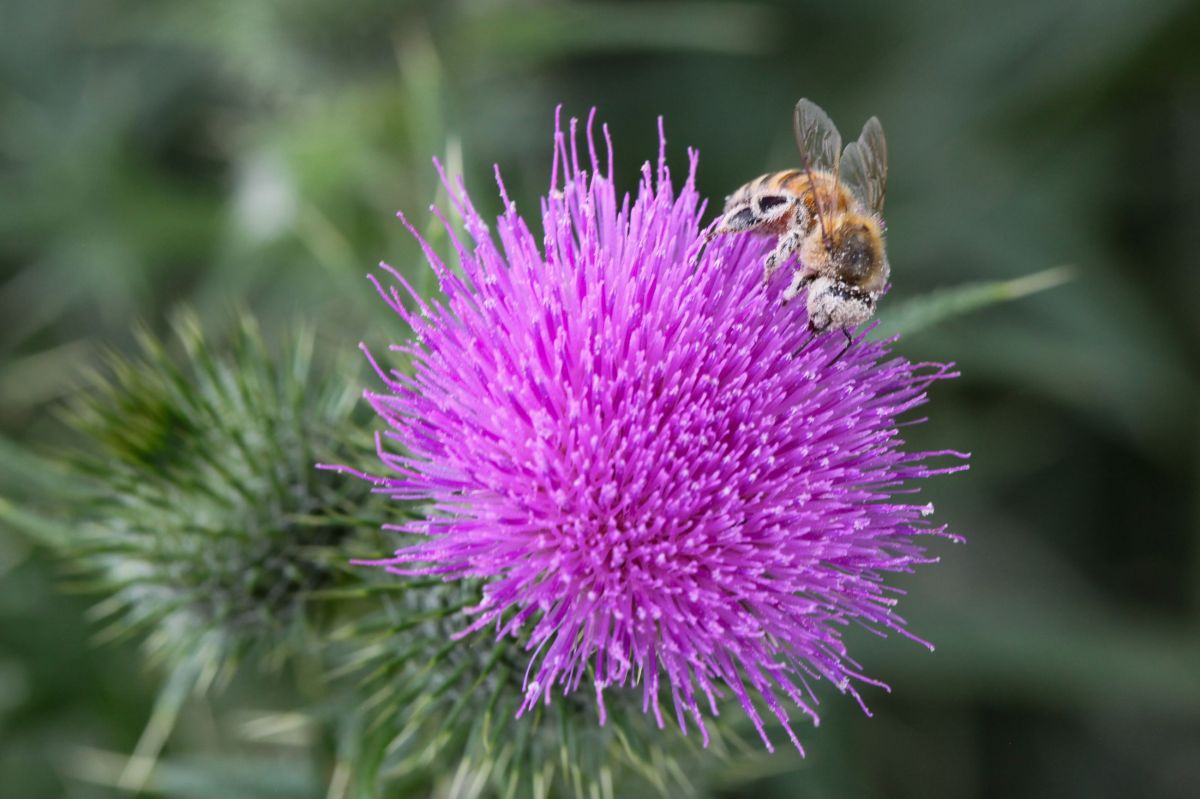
<point>864,166</point>
<point>819,143</point>
<point>817,137</point>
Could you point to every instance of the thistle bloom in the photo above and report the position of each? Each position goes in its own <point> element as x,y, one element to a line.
<point>657,472</point>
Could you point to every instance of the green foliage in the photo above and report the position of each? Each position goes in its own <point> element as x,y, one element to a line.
<point>159,153</point>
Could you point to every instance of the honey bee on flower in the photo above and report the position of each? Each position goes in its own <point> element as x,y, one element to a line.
<point>828,214</point>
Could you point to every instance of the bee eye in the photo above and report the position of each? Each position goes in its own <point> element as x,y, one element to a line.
<point>771,201</point>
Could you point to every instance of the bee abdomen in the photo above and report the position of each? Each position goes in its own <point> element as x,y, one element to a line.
<point>786,181</point>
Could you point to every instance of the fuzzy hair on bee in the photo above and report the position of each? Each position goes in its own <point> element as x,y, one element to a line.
<point>826,214</point>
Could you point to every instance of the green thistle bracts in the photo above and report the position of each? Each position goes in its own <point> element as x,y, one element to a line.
<point>204,520</point>
<point>440,711</point>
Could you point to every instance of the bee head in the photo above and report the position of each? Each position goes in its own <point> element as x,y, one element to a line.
<point>856,247</point>
<point>833,305</point>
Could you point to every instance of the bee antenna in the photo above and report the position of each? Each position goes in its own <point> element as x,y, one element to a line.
<point>837,188</point>
<point>825,238</point>
<point>812,184</point>
<point>710,234</point>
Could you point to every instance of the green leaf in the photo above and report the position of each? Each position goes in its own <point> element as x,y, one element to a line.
<point>931,309</point>
<point>167,708</point>
<point>203,777</point>
<point>34,526</point>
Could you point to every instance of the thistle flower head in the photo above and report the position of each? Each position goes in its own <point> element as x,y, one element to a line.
<point>661,477</point>
<point>202,517</point>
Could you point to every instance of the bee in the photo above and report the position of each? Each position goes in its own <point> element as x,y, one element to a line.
<point>828,214</point>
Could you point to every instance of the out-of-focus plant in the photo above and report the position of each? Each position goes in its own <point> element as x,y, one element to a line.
<point>204,521</point>
<point>199,514</point>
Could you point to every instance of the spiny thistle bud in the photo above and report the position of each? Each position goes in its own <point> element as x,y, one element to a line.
<point>664,484</point>
<point>436,714</point>
<point>205,522</point>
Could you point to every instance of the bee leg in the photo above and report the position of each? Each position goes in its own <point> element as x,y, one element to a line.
<point>813,335</point>
<point>783,250</point>
<point>849,341</point>
<point>735,220</point>
<point>799,280</point>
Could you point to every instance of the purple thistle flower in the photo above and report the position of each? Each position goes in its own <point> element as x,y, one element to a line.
<point>657,471</point>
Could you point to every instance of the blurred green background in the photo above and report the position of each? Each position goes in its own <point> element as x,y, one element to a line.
<point>255,151</point>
